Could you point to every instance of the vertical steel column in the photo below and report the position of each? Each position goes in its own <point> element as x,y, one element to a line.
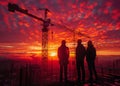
<point>44,44</point>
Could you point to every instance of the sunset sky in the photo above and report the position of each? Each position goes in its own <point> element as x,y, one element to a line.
<point>98,19</point>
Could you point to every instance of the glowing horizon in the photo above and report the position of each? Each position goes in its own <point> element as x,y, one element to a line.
<point>36,49</point>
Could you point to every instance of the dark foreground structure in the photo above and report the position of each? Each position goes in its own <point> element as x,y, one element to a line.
<point>27,73</point>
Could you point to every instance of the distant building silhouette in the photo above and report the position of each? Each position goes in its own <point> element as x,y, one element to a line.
<point>63,55</point>
<point>80,55</point>
<point>90,58</point>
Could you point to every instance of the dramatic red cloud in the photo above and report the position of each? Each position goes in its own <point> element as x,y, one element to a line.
<point>98,19</point>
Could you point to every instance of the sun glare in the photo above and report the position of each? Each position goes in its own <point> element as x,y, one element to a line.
<point>53,54</point>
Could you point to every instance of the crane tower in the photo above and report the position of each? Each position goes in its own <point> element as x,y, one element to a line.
<point>46,23</point>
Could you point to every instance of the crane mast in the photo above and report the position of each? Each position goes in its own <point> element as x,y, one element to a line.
<point>45,38</point>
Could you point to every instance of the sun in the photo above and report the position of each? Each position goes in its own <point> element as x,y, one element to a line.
<point>53,54</point>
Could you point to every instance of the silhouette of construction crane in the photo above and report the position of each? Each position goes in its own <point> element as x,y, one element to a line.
<point>46,22</point>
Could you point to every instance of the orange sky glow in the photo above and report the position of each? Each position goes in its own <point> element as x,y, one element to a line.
<point>98,19</point>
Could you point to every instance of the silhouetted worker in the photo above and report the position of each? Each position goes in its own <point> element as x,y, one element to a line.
<point>63,55</point>
<point>80,55</point>
<point>90,58</point>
